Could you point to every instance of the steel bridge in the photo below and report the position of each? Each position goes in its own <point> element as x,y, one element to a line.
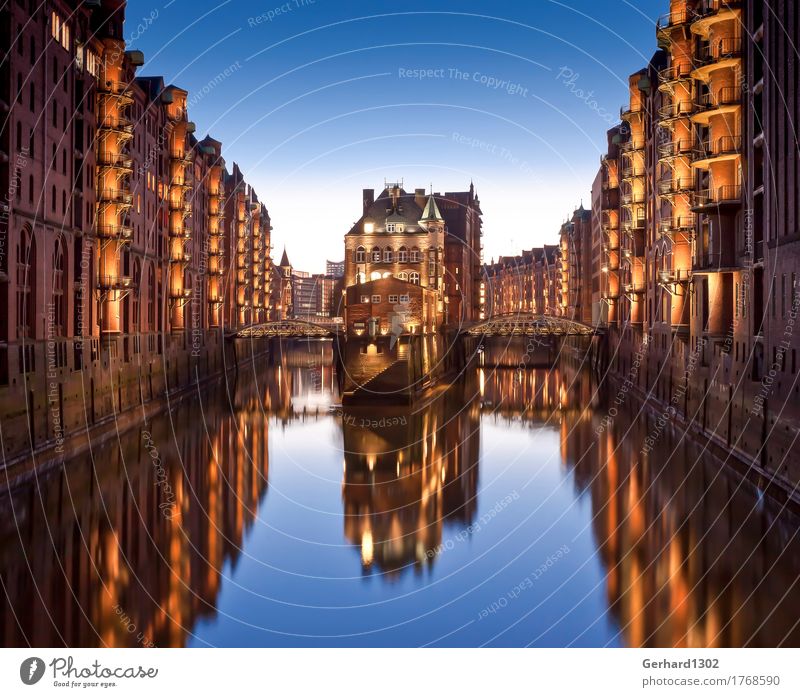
<point>517,324</point>
<point>290,329</point>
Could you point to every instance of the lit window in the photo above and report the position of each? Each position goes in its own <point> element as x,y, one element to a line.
<point>393,298</point>
<point>365,298</point>
<point>388,254</point>
<point>413,277</point>
<point>376,254</point>
<point>361,255</point>
<point>402,255</point>
<point>390,227</point>
<point>369,227</point>
<point>376,298</point>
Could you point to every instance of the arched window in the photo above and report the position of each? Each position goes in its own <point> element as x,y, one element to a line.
<point>59,290</point>
<point>388,254</point>
<point>137,280</point>
<point>361,255</point>
<point>403,276</point>
<point>402,255</point>
<point>151,298</point>
<point>376,254</point>
<point>375,275</point>
<point>26,281</point>
<point>414,254</point>
<point>413,277</point>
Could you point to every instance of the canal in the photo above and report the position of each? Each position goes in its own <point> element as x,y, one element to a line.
<point>507,509</point>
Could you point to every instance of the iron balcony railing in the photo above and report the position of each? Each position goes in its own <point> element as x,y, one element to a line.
<point>719,50</point>
<point>675,110</point>
<point>675,73</point>
<point>708,8</point>
<point>726,96</point>
<point>117,160</point>
<point>677,224</point>
<point>114,282</point>
<point>730,193</point>
<point>123,233</point>
<point>719,147</point>
<point>675,187</point>
<point>681,148</point>
<point>116,196</point>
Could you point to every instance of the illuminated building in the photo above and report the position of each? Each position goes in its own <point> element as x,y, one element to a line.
<point>115,259</point>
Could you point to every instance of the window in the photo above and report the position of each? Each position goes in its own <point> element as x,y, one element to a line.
<point>388,254</point>
<point>413,277</point>
<point>376,298</point>
<point>402,255</point>
<point>361,255</point>
<point>390,227</point>
<point>151,298</point>
<point>393,299</point>
<point>365,298</point>
<point>414,255</point>
<point>403,276</point>
<point>26,280</point>
<point>369,228</point>
<point>59,291</point>
<point>405,299</point>
<point>376,254</point>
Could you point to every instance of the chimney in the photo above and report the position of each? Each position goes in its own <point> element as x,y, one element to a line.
<point>369,199</point>
<point>419,198</point>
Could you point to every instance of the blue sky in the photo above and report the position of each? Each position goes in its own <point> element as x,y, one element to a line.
<point>322,99</point>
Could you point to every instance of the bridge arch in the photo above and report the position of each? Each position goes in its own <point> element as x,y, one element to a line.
<point>289,329</point>
<point>519,324</point>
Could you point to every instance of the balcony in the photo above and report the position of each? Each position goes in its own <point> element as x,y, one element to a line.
<point>678,224</point>
<point>674,73</point>
<point>729,195</point>
<point>724,101</point>
<point>676,149</point>
<point>182,258</point>
<point>724,148</point>
<point>633,145</point>
<point>181,206</point>
<point>120,233</point>
<point>181,296</point>
<point>114,283</point>
<point>217,271</point>
<point>719,51</point>
<point>631,198</point>
<point>628,112</point>
<point>667,24</point>
<point>184,158</point>
<point>113,88</point>
<point>631,172</point>
<point>679,110</point>
<point>216,253</point>
<point>675,187</point>
<point>115,160</point>
<point>116,124</point>
<point>115,196</point>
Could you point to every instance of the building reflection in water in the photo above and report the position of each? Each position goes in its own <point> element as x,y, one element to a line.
<point>130,545</point>
<point>408,473</point>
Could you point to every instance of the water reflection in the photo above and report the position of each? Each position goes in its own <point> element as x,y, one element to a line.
<point>267,517</point>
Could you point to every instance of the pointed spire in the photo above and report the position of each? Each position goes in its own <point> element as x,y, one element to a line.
<point>431,213</point>
<point>285,258</point>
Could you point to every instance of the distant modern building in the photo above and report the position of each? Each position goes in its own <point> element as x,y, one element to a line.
<point>334,269</point>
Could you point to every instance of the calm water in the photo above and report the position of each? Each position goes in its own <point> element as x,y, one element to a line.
<point>501,513</point>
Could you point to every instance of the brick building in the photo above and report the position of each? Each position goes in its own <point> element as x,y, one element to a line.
<point>116,263</point>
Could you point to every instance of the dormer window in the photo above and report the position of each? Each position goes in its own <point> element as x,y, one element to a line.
<point>369,228</point>
<point>390,227</point>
